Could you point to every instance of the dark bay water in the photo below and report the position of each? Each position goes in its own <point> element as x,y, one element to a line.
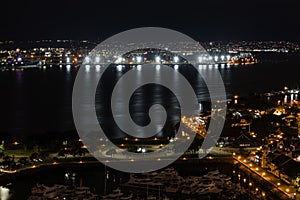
<point>37,101</point>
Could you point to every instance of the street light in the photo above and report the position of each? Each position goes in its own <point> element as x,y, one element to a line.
<point>287,190</point>
<point>278,184</point>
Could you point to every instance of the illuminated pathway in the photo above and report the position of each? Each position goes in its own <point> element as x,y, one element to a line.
<point>289,191</point>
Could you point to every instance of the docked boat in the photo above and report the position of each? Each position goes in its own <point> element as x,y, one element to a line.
<point>169,182</point>
<point>117,194</point>
<point>42,192</point>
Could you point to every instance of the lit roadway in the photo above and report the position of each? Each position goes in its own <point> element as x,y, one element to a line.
<point>195,124</point>
<point>271,178</point>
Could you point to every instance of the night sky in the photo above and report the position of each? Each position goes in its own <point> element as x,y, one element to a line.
<point>202,20</point>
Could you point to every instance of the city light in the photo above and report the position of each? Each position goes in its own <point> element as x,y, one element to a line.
<point>68,67</point>
<point>216,58</point>
<point>176,67</point>
<point>119,68</point>
<point>119,60</point>
<point>87,59</point>
<point>97,59</point>
<point>139,59</point>
<point>157,59</point>
<point>287,190</point>
<point>176,59</point>
<point>87,68</point>
<point>200,59</point>
<point>98,68</point>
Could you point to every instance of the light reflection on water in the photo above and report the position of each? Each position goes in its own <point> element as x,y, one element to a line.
<point>4,193</point>
<point>39,100</point>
